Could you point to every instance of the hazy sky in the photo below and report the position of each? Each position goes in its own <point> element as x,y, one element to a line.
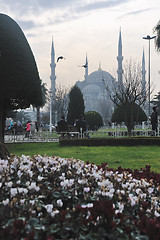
<point>86,26</point>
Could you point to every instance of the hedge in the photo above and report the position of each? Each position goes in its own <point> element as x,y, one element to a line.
<point>124,141</point>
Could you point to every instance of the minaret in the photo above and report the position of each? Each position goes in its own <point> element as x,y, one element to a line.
<point>120,59</point>
<point>143,76</point>
<point>53,76</point>
<point>86,68</point>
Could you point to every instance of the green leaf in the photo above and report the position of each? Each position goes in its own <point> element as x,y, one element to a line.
<point>84,228</point>
<point>55,228</point>
<point>9,222</point>
<point>64,234</point>
<point>142,237</point>
<point>56,194</point>
<point>33,221</point>
<point>119,230</point>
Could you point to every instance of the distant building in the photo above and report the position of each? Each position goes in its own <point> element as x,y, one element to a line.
<point>32,113</point>
<point>95,95</point>
<point>93,87</point>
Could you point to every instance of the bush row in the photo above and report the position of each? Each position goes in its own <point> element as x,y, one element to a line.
<point>129,141</point>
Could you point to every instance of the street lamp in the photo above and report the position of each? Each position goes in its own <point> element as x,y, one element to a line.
<point>50,124</point>
<point>149,81</point>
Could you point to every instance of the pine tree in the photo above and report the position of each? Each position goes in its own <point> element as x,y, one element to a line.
<point>76,105</point>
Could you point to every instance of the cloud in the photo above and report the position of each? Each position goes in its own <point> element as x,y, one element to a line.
<point>53,11</point>
<point>26,24</point>
<point>47,4</point>
<point>136,12</point>
<point>101,5</point>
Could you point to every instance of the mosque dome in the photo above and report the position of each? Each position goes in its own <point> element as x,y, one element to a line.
<point>98,76</point>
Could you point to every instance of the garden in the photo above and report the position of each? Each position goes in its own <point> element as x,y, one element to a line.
<point>49,197</point>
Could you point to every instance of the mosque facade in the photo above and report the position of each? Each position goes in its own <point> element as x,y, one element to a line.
<point>95,95</point>
<point>93,87</point>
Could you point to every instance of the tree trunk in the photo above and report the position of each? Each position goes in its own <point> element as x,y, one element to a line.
<point>129,121</point>
<point>2,120</point>
<point>38,117</point>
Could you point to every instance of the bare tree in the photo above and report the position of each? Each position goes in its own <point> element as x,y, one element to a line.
<point>60,103</point>
<point>130,92</point>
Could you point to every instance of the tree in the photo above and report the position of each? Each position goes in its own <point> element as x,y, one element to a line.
<point>157,39</point>
<point>93,119</point>
<point>44,100</point>
<point>20,116</point>
<point>129,93</point>
<point>61,102</point>
<point>20,83</point>
<point>125,113</point>
<point>76,104</point>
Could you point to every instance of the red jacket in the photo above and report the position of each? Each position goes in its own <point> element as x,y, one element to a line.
<point>28,127</point>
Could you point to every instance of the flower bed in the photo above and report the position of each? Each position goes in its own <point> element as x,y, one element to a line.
<point>55,198</point>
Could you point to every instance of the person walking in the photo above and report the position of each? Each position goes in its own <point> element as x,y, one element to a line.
<point>154,119</point>
<point>28,129</point>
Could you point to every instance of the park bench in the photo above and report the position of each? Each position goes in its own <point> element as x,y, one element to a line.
<point>71,132</point>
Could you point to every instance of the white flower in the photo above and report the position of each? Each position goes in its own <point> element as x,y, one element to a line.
<point>18,182</point>
<point>156,214</point>
<point>32,202</point>
<point>90,205</point>
<point>20,190</point>
<point>138,191</point>
<point>9,184</point>
<point>40,169</point>
<point>40,178</point>
<point>19,173</point>
<point>119,179</point>
<point>120,206</point>
<point>30,173</point>
<point>27,183</point>
<point>88,214</point>
<point>87,189</point>
<point>0,184</point>
<point>112,190</point>
<point>34,186</point>
<point>49,207</point>
<point>122,192</point>
<point>150,190</point>
<point>5,202</point>
<point>22,201</point>
<point>64,183</point>
<point>13,191</point>
<point>83,206</point>
<point>54,213</point>
<point>59,203</point>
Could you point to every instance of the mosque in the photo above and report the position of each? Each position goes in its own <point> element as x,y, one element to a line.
<point>95,95</point>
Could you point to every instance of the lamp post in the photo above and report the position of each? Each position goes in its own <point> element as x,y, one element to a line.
<point>50,124</point>
<point>149,80</point>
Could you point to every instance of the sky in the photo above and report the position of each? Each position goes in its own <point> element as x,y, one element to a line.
<point>80,27</point>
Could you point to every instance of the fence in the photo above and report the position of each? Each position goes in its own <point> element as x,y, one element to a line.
<point>46,136</point>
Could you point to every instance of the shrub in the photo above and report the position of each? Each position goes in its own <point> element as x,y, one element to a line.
<point>94,120</point>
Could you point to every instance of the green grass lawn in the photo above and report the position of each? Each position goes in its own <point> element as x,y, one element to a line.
<point>126,157</point>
